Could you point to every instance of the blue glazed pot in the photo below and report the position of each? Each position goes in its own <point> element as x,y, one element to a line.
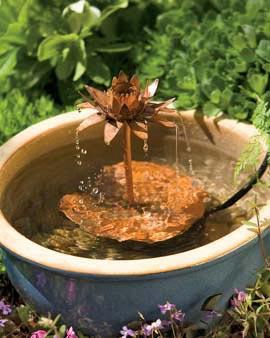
<point>100,296</point>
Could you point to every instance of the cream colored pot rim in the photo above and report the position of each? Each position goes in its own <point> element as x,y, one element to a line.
<point>18,244</point>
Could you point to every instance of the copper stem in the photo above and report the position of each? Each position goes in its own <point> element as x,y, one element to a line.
<point>128,162</point>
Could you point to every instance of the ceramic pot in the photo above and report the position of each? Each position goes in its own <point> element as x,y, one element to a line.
<point>99,296</point>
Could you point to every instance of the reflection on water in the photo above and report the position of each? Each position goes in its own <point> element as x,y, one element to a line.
<point>31,201</point>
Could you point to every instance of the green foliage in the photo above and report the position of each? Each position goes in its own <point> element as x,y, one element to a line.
<point>43,40</point>
<point>213,55</point>
<point>17,112</point>
<point>250,156</point>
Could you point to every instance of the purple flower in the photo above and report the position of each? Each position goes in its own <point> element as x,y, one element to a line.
<point>211,314</point>
<point>147,330</point>
<point>157,325</point>
<point>238,298</point>
<point>178,315</point>
<point>2,322</point>
<point>39,334</point>
<point>5,308</point>
<point>126,332</point>
<point>166,307</point>
<point>71,333</point>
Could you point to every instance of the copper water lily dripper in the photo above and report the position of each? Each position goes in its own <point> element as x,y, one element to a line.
<point>125,105</point>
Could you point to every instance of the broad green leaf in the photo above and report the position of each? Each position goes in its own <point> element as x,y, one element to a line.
<point>210,109</point>
<point>97,70</point>
<point>8,13</point>
<point>248,55</point>
<point>215,96</point>
<point>79,70</point>
<point>65,64</point>
<point>257,82</point>
<point>81,16</point>
<point>15,35</point>
<point>250,35</point>
<point>53,45</point>
<point>7,62</point>
<point>263,50</point>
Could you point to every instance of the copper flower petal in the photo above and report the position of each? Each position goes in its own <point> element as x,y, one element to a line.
<point>125,112</point>
<point>101,98</point>
<point>165,104</point>
<point>150,90</point>
<point>122,77</point>
<point>114,81</point>
<point>89,121</point>
<point>116,107</point>
<point>140,129</point>
<point>85,105</point>
<point>162,120</point>
<point>135,81</point>
<point>110,131</point>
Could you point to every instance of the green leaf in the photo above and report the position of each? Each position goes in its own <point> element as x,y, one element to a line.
<point>80,55</point>
<point>81,16</point>
<point>210,109</point>
<point>263,50</point>
<point>250,35</point>
<point>97,70</point>
<point>24,312</point>
<point>266,67</point>
<point>53,45</point>
<point>114,48</point>
<point>66,63</point>
<point>109,10</point>
<point>248,55</point>
<point>215,96</point>
<point>257,82</point>
<point>79,71</point>
<point>15,35</point>
<point>7,62</point>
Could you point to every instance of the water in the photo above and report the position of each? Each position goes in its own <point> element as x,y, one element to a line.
<point>31,201</point>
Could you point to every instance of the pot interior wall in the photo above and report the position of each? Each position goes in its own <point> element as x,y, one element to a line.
<point>49,161</point>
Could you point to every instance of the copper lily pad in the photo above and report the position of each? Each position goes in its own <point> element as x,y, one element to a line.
<point>167,204</point>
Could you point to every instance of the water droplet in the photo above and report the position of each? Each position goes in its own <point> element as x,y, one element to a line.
<point>77,141</point>
<point>80,188</point>
<point>78,155</point>
<point>95,191</point>
<point>79,163</point>
<point>81,201</point>
<point>82,182</point>
<point>188,149</point>
<point>145,146</point>
<point>77,147</point>
<point>84,151</point>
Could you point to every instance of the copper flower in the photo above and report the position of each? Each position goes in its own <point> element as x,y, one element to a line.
<point>125,102</point>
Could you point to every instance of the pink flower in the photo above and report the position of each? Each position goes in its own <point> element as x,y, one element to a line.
<point>238,298</point>
<point>166,307</point>
<point>71,333</point>
<point>39,334</point>
<point>5,308</point>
